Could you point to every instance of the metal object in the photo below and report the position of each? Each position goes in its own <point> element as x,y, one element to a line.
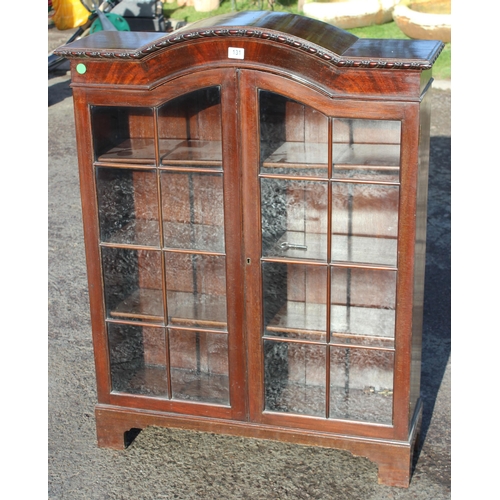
<point>292,246</point>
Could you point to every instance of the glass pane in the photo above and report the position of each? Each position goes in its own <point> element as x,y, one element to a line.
<point>294,219</point>
<point>123,134</point>
<point>196,290</point>
<point>293,137</point>
<point>128,206</point>
<point>365,223</point>
<point>193,211</point>
<point>295,377</point>
<point>361,384</point>
<point>132,284</point>
<point>138,359</point>
<point>189,129</point>
<point>199,366</point>
<point>363,306</point>
<point>295,300</point>
<point>366,149</point>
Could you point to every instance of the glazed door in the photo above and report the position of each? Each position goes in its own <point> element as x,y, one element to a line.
<point>167,194</point>
<point>322,257</point>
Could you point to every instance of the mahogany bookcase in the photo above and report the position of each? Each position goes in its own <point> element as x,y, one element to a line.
<point>254,191</point>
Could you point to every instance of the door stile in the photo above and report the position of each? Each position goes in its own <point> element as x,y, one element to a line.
<point>406,272</point>
<point>91,238</point>
<point>234,252</point>
<point>251,243</point>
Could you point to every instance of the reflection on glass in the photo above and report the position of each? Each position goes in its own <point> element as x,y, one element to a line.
<point>199,366</point>
<point>293,137</point>
<point>365,223</point>
<point>361,384</point>
<point>189,128</point>
<point>193,211</point>
<point>196,290</point>
<point>294,218</point>
<point>123,134</point>
<point>363,305</point>
<point>128,206</point>
<point>132,284</point>
<point>294,300</point>
<point>366,149</point>
<point>138,359</point>
<point>295,377</point>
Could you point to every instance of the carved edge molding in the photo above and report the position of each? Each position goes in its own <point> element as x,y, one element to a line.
<point>277,37</point>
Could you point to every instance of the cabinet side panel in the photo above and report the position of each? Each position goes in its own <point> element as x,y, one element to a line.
<point>91,237</point>
<point>420,245</point>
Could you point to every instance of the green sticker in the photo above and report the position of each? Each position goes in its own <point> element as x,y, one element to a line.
<point>81,68</point>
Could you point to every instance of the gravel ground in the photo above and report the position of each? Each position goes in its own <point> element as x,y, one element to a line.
<point>169,463</point>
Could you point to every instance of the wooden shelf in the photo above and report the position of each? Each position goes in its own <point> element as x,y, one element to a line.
<point>187,385</point>
<point>143,304</point>
<point>137,232</point>
<point>299,155</point>
<point>299,320</point>
<point>307,155</point>
<point>365,250</point>
<point>184,309</point>
<point>370,161</point>
<point>367,155</point>
<point>177,235</point>
<point>173,152</point>
<point>354,249</point>
<point>188,236</point>
<point>201,310</point>
<point>189,152</point>
<point>351,325</point>
<point>140,151</point>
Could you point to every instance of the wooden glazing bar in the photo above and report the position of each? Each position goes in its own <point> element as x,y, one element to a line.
<point>332,344</point>
<point>334,179</point>
<point>285,260</point>
<point>198,329</point>
<point>365,181</point>
<point>329,269</point>
<point>133,323</point>
<point>192,170</point>
<point>156,136</point>
<point>293,341</point>
<point>150,317</point>
<point>368,337</point>
<point>360,166</point>
<point>374,267</point>
<point>163,274</point>
<point>338,166</point>
<point>360,346</point>
<point>288,329</point>
<point>117,164</point>
<point>167,345</point>
<point>128,246</point>
<point>293,177</point>
<point>193,323</point>
<point>193,251</point>
<point>354,265</point>
<point>267,164</point>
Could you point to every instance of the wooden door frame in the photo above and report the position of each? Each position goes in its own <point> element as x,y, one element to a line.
<point>407,113</point>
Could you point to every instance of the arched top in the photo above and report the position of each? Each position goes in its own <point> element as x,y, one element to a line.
<point>302,28</point>
<point>311,36</point>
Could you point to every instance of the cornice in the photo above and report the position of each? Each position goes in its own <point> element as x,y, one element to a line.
<point>267,35</point>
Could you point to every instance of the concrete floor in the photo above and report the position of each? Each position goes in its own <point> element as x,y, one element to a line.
<point>170,464</point>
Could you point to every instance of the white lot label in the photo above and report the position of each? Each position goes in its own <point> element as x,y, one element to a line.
<point>236,53</point>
